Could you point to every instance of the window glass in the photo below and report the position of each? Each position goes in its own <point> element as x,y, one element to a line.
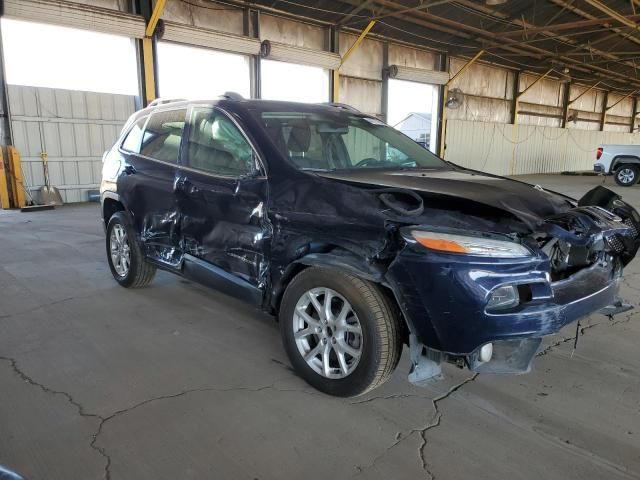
<point>162,135</point>
<point>328,140</point>
<point>134,137</point>
<point>215,145</point>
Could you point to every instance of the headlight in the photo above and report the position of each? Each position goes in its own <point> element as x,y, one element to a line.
<point>485,247</point>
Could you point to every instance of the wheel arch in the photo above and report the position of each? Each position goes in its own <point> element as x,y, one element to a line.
<point>621,160</point>
<point>111,204</point>
<point>344,261</point>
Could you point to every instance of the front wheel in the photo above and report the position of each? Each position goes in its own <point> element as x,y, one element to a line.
<point>627,175</point>
<point>339,331</point>
<point>124,254</point>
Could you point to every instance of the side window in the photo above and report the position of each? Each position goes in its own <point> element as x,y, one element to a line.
<point>162,135</point>
<point>215,145</point>
<point>133,139</point>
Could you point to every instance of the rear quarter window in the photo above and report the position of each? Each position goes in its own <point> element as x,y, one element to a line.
<point>163,135</point>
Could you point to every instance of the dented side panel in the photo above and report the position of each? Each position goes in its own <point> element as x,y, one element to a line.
<point>223,222</point>
<point>146,188</point>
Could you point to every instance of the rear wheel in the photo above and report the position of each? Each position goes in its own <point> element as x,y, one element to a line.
<point>124,254</point>
<point>340,332</point>
<point>627,175</point>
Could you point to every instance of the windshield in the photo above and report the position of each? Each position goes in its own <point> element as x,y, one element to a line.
<point>343,141</point>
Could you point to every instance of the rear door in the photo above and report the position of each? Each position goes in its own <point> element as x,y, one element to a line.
<point>221,191</point>
<point>147,183</point>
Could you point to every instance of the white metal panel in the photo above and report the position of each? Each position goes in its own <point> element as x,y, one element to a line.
<point>204,14</point>
<point>73,128</point>
<point>365,95</point>
<point>365,61</point>
<point>482,80</point>
<point>412,57</point>
<point>507,149</point>
<point>294,33</point>
<point>302,56</point>
<point>76,15</point>
<point>229,42</point>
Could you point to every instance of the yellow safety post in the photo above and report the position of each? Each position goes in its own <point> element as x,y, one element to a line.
<point>352,48</point>
<point>443,137</point>
<point>5,203</point>
<point>147,52</point>
<point>17,185</point>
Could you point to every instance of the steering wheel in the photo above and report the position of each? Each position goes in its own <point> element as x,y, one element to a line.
<point>365,162</point>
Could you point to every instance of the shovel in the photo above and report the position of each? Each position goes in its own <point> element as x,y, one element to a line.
<point>47,195</point>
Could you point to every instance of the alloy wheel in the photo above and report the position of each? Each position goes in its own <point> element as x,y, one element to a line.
<point>626,176</point>
<point>120,250</point>
<point>327,333</point>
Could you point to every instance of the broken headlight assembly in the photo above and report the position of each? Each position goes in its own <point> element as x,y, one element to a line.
<point>482,246</point>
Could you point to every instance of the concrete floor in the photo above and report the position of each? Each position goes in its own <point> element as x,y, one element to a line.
<point>177,381</point>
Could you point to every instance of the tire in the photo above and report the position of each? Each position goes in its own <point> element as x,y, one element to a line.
<point>372,315</point>
<point>627,175</point>
<point>138,273</point>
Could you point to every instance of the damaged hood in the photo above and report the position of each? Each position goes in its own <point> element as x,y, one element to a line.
<point>529,203</point>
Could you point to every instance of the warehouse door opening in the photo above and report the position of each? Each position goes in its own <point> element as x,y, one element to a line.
<point>413,109</point>
<point>41,55</point>
<point>199,73</point>
<point>293,82</point>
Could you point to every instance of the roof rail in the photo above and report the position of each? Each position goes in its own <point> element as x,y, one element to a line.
<point>344,106</point>
<point>232,96</point>
<point>162,101</point>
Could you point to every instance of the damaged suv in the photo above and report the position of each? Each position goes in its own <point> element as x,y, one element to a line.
<point>359,240</point>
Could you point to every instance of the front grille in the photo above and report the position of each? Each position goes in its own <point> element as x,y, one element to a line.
<point>630,223</point>
<point>615,243</point>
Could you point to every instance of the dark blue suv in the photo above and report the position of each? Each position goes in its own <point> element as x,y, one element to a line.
<point>360,240</point>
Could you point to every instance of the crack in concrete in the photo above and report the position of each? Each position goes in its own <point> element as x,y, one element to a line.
<point>422,431</point>
<point>102,420</point>
<point>436,420</point>
<point>611,322</point>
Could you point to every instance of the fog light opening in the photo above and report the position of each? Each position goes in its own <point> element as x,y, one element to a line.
<point>503,297</point>
<point>485,353</point>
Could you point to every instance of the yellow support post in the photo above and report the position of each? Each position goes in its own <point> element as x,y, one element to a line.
<point>18,185</point>
<point>147,52</point>
<point>345,57</point>
<point>4,185</point>
<point>443,136</point>
<point>149,76</point>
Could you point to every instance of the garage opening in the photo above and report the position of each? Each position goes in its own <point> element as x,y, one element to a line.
<point>200,73</point>
<point>293,82</point>
<point>413,109</point>
<point>41,55</point>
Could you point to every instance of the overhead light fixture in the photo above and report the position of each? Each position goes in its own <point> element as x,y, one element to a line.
<point>495,2</point>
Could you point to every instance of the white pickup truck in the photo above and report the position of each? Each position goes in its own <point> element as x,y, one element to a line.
<point>622,161</point>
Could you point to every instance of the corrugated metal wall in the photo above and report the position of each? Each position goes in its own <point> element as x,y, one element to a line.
<point>73,127</point>
<point>506,149</point>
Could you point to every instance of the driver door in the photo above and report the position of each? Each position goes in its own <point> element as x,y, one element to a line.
<point>221,191</point>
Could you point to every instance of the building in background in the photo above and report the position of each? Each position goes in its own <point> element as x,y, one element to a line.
<point>417,126</point>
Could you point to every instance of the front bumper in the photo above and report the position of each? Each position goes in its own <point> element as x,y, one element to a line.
<point>444,298</point>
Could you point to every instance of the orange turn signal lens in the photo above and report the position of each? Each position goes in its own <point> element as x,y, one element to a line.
<point>440,244</point>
